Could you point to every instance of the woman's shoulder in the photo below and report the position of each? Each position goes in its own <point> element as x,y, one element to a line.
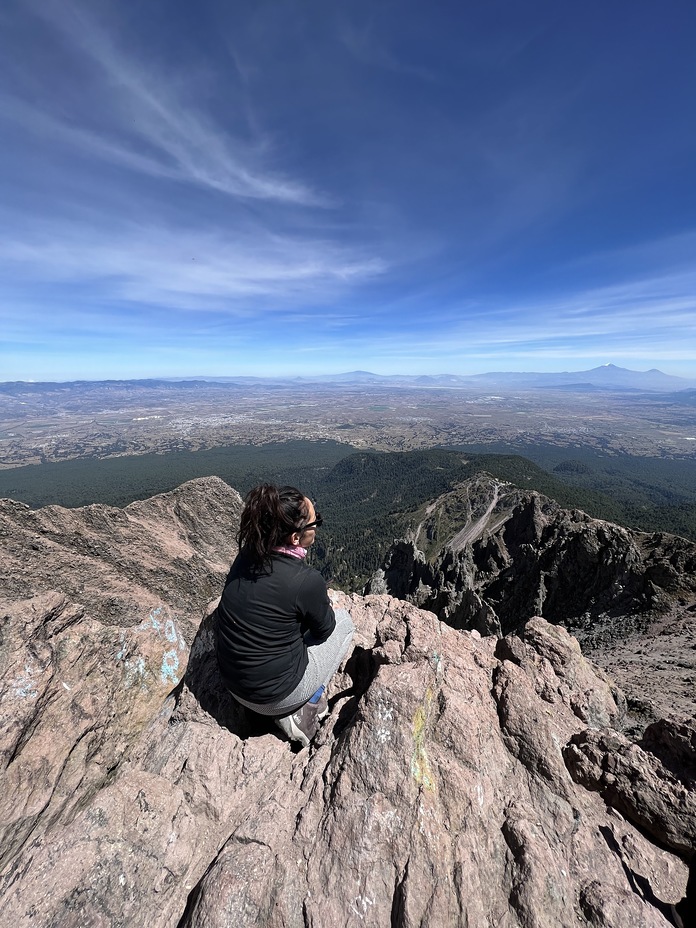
<point>310,577</point>
<point>295,566</point>
<point>243,567</point>
<point>288,563</point>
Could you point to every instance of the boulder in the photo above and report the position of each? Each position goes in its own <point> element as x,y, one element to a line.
<point>438,792</point>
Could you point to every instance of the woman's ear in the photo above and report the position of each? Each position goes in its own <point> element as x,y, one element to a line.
<point>295,539</point>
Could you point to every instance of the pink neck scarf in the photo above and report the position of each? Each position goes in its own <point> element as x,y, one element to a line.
<point>292,550</point>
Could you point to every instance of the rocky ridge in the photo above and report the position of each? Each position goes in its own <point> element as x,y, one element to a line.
<point>489,556</point>
<point>458,780</point>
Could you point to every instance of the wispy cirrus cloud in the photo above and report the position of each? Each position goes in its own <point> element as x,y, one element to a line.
<point>188,269</point>
<point>361,183</point>
<point>152,125</point>
<point>660,309</point>
<point>643,318</point>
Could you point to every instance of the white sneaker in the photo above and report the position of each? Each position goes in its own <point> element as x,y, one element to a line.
<point>302,724</point>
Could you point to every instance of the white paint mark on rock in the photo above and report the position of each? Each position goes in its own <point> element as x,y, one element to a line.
<point>385,715</point>
<point>361,906</point>
<point>23,685</point>
<point>169,668</point>
<point>152,622</point>
<point>165,630</point>
<point>134,672</point>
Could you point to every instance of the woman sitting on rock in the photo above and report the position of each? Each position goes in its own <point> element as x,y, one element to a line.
<point>279,642</point>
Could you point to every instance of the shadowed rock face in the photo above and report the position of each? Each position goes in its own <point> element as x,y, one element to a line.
<point>520,554</point>
<point>456,781</point>
<point>630,597</point>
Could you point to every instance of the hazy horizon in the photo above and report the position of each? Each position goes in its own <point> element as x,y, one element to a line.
<point>358,371</point>
<point>293,190</point>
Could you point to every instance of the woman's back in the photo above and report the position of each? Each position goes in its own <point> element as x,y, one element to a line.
<point>263,615</point>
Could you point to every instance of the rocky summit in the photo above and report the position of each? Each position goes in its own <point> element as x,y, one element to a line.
<point>489,556</point>
<point>458,780</point>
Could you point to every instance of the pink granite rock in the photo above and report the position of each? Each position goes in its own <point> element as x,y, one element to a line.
<point>437,792</point>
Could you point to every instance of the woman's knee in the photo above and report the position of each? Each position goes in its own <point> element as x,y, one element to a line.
<point>344,621</point>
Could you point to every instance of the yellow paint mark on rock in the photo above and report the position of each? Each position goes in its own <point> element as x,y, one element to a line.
<point>420,765</point>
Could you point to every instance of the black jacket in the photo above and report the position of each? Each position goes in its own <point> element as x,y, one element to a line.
<point>262,617</point>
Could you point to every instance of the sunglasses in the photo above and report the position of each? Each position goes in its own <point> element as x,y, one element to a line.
<point>318,522</point>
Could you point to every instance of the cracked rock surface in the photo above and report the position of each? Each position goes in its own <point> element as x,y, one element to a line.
<point>457,780</point>
<point>488,556</point>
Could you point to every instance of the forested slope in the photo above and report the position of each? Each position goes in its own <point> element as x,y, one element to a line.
<point>370,498</point>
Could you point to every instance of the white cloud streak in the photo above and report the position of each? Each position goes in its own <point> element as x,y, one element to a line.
<point>188,270</point>
<point>155,130</point>
<point>643,318</point>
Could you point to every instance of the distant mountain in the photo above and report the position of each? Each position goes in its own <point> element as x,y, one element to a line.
<point>416,380</point>
<point>608,377</point>
<point>22,387</point>
<point>348,377</point>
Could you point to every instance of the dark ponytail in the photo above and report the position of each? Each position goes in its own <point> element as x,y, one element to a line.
<point>270,514</point>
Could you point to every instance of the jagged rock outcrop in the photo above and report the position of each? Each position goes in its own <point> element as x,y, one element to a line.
<point>458,780</point>
<point>98,609</point>
<point>167,553</point>
<point>494,555</point>
<point>521,554</point>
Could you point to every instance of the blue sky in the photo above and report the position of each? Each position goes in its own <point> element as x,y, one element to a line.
<point>270,187</point>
